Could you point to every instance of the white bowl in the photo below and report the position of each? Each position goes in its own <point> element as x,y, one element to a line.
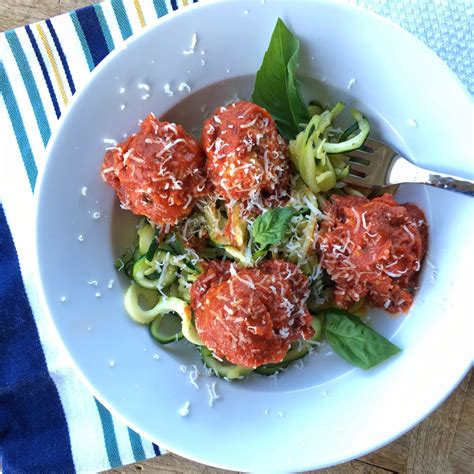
<point>327,412</point>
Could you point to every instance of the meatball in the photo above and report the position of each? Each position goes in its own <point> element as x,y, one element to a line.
<point>158,172</point>
<point>247,159</point>
<point>373,249</point>
<point>251,316</point>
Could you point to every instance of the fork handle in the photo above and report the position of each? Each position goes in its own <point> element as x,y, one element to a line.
<point>403,171</point>
<point>452,183</point>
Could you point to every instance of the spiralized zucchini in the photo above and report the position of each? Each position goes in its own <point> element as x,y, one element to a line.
<point>229,233</point>
<point>298,246</point>
<point>135,310</point>
<point>163,305</point>
<point>319,161</point>
<point>162,271</point>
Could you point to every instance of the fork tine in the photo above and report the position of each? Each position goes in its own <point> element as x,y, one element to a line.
<point>369,164</point>
<point>380,146</point>
<point>365,163</point>
<point>359,167</point>
<point>357,180</point>
<point>356,159</point>
<point>365,154</point>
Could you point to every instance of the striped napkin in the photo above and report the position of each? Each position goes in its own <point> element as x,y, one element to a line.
<point>49,422</point>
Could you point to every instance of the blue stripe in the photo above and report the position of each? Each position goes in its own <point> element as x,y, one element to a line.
<point>105,27</point>
<point>93,33</point>
<point>160,7</point>
<point>30,85</point>
<point>110,439</point>
<point>137,446</point>
<point>122,18</point>
<point>82,39</point>
<point>44,69</point>
<point>33,429</point>
<point>62,56</point>
<point>174,5</point>
<point>18,126</point>
<point>156,449</point>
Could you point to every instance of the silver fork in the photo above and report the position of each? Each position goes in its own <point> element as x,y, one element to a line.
<point>377,165</point>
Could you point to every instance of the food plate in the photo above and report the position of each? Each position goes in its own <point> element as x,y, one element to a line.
<point>326,411</point>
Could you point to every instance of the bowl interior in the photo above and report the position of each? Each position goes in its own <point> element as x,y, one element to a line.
<point>326,399</point>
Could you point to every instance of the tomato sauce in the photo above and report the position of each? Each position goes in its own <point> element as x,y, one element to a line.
<point>373,249</point>
<point>158,172</point>
<point>250,316</point>
<point>247,159</point>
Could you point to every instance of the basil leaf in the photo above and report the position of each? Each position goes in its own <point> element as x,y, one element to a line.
<point>276,87</point>
<point>356,342</point>
<point>271,227</point>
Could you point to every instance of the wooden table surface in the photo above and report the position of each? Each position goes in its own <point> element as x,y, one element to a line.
<point>442,443</point>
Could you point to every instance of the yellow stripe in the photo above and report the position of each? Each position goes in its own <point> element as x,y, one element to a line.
<point>52,60</point>
<point>185,3</point>
<point>138,8</point>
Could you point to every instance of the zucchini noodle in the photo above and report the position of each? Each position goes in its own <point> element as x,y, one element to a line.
<point>318,160</point>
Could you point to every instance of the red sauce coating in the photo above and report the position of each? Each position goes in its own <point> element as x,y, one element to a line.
<point>157,172</point>
<point>247,159</point>
<point>250,316</point>
<point>373,249</point>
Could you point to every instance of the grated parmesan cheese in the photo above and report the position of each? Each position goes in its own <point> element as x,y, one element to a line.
<point>407,230</point>
<point>184,410</point>
<point>351,83</point>
<point>184,86</point>
<point>213,396</point>
<point>193,376</point>
<point>193,45</point>
<point>168,146</point>
<point>167,89</point>
<point>251,123</point>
